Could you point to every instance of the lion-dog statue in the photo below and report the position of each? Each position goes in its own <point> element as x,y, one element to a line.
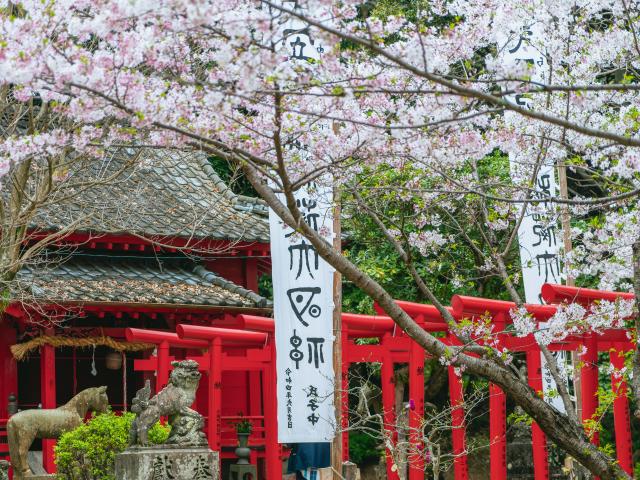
<point>24,427</point>
<point>173,401</point>
<point>4,470</point>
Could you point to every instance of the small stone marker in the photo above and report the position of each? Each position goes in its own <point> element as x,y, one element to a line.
<point>350,471</point>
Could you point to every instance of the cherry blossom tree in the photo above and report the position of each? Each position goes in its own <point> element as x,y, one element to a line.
<point>352,94</point>
<point>38,194</point>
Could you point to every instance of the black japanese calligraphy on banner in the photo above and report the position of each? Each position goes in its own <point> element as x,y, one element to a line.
<point>303,308</point>
<point>537,234</point>
<point>539,247</point>
<point>301,299</point>
<point>302,281</point>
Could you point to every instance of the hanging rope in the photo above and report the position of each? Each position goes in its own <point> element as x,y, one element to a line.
<point>21,350</point>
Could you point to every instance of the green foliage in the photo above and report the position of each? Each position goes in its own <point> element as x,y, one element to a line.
<point>418,12</point>
<point>232,176</point>
<point>453,269</point>
<point>243,425</point>
<point>364,448</point>
<point>88,452</point>
<point>520,417</point>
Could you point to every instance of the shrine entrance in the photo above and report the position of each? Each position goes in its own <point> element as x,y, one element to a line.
<point>237,356</point>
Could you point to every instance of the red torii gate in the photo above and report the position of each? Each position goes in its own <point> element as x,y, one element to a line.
<point>397,347</point>
<point>615,339</point>
<point>499,312</point>
<point>429,317</point>
<point>259,355</point>
<point>615,343</point>
<point>394,347</point>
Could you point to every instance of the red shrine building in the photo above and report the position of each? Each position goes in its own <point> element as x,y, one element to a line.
<point>166,243</point>
<point>166,266</point>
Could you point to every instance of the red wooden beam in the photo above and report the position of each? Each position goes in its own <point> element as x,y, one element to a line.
<point>368,323</point>
<point>254,249</point>
<point>159,336</point>
<point>428,312</point>
<point>345,399</point>
<point>209,333</point>
<point>273,460</point>
<point>497,432</point>
<point>164,365</point>
<point>251,322</point>
<point>215,393</point>
<point>498,421</point>
<point>463,305</point>
<point>356,325</point>
<point>553,293</point>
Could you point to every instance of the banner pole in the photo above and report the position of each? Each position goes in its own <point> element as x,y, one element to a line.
<point>565,222</point>
<point>336,447</point>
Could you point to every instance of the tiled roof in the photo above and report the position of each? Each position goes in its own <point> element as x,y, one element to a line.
<point>166,193</point>
<point>132,280</point>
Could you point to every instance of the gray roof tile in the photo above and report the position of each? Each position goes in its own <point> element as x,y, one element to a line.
<point>167,193</point>
<point>132,280</point>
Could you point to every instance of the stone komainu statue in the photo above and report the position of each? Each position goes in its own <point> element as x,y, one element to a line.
<point>173,401</point>
<point>24,427</point>
<point>4,470</point>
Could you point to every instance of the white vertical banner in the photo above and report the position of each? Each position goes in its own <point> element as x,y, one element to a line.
<point>303,310</point>
<point>537,234</point>
<point>303,287</point>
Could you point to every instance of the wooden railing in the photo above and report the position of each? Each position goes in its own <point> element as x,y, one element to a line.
<point>229,436</point>
<point>4,444</point>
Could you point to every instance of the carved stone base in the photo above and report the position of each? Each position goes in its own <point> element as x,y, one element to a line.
<point>168,462</point>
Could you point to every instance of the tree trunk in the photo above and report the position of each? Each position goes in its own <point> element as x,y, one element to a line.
<point>555,425</point>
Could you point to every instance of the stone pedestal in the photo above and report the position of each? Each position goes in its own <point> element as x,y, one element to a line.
<point>243,472</point>
<point>168,462</point>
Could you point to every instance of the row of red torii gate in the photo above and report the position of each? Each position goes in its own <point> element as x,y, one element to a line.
<point>245,343</point>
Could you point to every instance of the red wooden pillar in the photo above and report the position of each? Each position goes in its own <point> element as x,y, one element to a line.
<point>8,366</point>
<point>251,274</point>
<point>215,393</point>
<point>589,381</point>
<point>498,432</point>
<point>164,365</point>
<point>388,407</point>
<point>458,429</point>
<point>48,398</point>
<point>273,460</point>
<point>256,392</point>
<point>538,438</point>
<point>498,419</point>
<point>416,395</point>
<point>621,418</point>
<point>345,396</point>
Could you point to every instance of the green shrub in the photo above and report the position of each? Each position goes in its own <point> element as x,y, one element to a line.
<point>364,449</point>
<point>89,451</point>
